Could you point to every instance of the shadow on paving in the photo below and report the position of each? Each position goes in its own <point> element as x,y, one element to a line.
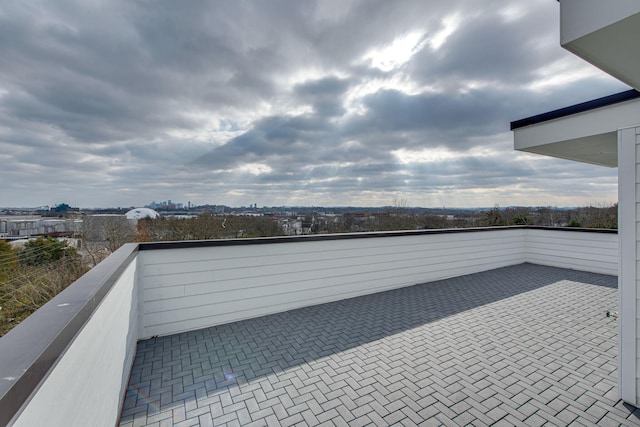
<point>245,351</point>
<point>635,412</point>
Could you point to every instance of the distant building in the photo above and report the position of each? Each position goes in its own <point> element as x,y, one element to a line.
<point>64,208</point>
<point>140,213</point>
<point>27,226</point>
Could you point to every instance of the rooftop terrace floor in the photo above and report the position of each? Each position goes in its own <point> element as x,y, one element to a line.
<point>521,345</point>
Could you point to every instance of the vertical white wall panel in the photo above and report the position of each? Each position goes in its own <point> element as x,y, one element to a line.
<point>629,134</point>
<point>628,186</point>
<point>86,386</point>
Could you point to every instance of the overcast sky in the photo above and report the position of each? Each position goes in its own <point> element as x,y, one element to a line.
<point>326,103</point>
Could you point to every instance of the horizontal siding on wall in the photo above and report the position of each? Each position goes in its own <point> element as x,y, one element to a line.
<point>191,288</point>
<point>594,252</point>
<point>198,287</point>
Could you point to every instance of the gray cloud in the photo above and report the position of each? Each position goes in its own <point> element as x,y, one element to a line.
<point>119,103</point>
<point>492,47</point>
<point>325,95</point>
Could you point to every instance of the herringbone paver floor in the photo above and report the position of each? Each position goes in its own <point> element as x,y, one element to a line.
<point>522,345</point>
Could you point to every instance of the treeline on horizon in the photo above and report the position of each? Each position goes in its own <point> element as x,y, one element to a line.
<point>209,226</point>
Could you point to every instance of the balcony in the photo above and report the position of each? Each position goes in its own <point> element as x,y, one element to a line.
<point>508,325</point>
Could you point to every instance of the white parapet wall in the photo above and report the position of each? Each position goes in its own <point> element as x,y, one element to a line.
<point>186,289</point>
<point>86,385</point>
<point>587,251</point>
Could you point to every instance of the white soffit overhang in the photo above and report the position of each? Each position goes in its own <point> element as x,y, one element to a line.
<point>589,136</point>
<point>604,33</point>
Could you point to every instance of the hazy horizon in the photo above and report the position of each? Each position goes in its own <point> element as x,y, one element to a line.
<point>601,204</point>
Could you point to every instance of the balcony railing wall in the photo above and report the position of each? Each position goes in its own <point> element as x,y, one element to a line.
<point>191,288</point>
<point>76,371</point>
<point>69,363</point>
<point>596,252</point>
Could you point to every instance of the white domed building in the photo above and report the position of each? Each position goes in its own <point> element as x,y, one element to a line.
<point>141,213</point>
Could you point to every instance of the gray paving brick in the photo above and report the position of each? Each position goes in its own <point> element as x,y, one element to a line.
<point>493,351</point>
<point>596,411</point>
<point>497,413</point>
<point>536,420</point>
<point>464,419</point>
<point>179,414</point>
<point>280,411</point>
<point>292,420</point>
<point>223,419</point>
<point>345,413</point>
<point>327,415</point>
<point>566,416</point>
<point>205,420</point>
<point>526,410</point>
<point>432,422</point>
<point>261,413</point>
<point>187,423</point>
<point>361,421</point>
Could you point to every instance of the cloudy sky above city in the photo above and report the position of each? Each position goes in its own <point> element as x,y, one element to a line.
<point>325,103</point>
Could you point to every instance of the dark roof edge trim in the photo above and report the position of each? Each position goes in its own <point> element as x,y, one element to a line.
<point>578,108</point>
<point>183,244</point>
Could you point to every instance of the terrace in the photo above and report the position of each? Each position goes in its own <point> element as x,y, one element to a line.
<point>446,326</point>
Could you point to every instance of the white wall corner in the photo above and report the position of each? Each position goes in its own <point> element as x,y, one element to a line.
<point>628,373</point>
<point>139,288</point>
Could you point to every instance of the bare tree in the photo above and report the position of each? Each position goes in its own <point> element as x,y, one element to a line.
<point>493,217</point>
<point>104,234</point>
<point>595,215</point>
<point>207,226</point>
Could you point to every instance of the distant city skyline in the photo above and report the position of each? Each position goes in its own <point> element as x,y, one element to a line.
<point>327,103</point>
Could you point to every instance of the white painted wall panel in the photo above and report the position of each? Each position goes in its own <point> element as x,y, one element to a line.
<point>237,282</point>
<point>230,312</point>
<point>292,271</point>
<point>628,292</point>
<point>86,386</point>
<point>628,186</point>
<point>594,252</point>
<point>199,287</point>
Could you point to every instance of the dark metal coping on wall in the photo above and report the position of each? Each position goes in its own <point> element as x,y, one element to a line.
<point>32,349</point>
<point>578,108</point>
<point>184,244</point>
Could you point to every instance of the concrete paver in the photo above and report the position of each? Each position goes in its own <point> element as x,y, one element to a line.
<point>521,345</point>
